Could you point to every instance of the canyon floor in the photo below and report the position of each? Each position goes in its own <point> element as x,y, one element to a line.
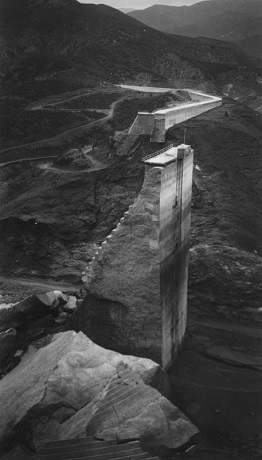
<point>56,211</point>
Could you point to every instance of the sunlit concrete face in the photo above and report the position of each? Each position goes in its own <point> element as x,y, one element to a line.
<point>157,123</point>
<point>174,221</point>
<point>140,271</point>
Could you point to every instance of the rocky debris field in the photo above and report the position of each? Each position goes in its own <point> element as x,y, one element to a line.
<point>31,319</point>
<point>63,384</point>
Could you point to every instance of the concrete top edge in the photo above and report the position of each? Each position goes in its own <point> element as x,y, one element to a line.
<point>154,89</point>
<point>183,106</point>
<point>163,158</point>
<point>168,156</point>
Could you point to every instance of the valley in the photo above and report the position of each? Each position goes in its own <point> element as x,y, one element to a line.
<point>71,87</point>
<point>237,22</point>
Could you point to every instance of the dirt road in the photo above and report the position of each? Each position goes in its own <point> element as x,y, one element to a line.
<point>96,166</point>
<point>62,135</point>
<point>40,283</point>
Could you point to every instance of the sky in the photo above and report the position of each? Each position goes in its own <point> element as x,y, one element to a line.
<point>140,4</point>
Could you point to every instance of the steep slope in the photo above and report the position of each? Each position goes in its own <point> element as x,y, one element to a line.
<point>251,44</point>
<point>56,47</point>
<point>226,20</point>
<point>40,39</point>
<point>40,238</point>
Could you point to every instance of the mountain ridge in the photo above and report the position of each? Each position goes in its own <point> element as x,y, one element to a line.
<point>231,20</point>
<point>104,43</point>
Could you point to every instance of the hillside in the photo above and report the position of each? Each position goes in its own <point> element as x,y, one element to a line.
<point>60,49</point>
<point>40,238</point>
<point>233,21</point>
<point>95,43</point>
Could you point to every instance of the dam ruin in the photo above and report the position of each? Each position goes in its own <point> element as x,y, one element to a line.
<point>156,124</point>
<point>142,266</point>
<point>138,277</point>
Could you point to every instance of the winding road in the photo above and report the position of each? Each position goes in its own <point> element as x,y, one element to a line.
<point>60,136</point>
<point>40,283</point>
<point>96,166</point>
<point>89,125</point>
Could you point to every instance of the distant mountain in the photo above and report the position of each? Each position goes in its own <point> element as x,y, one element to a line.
<point>49,38</point>
<point>231,20</point>
<point>138,4</point>
<point>126,10</point>
<point>252,44</point>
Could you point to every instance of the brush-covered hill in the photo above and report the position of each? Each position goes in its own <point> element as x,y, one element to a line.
<point>74,44</point>
<point>237,21</point>
<point>58,48</point>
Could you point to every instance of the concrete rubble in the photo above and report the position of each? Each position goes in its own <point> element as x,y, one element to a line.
<point>21,322</point>
<point>58,391</point>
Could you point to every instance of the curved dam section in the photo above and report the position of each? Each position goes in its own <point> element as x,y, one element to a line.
<point>138,279</point>
<point>157,123</point>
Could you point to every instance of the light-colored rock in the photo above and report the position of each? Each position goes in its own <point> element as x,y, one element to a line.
<point>71,304</point>
<point>56,391</point>
<point>61,295</point>
<point>48,298</point>
<point>141,413</point>
<point>71,371</point>
<point>75,427</point>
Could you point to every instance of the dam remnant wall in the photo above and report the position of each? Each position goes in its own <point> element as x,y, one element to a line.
<point>182,113</point>
<point>141,268</point>
<point>157,123</point>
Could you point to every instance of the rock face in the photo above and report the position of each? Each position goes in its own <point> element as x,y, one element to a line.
<point>135,410</point>
<point>57,390</point>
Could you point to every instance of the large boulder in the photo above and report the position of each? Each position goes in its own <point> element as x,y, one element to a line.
<point>130,410</point>
<point>57,389</point>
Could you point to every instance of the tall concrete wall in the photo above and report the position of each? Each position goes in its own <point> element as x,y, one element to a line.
<point>143,124</point>
<point>126,272</point>
<point>156,124</point>
<point>141,268</point>
<point>197,96</point>
<point>182,113</point>
<point>159,131</point>
<point>175,201</point>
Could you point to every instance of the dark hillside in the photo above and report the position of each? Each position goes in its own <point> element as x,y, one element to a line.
<point>46,40</point>
<point>50,48</point>
<point>230,20</point>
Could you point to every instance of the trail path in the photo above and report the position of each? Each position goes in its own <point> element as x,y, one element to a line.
<point>87,125</point>
<point>27,159</point>
<point>96,166</point>
<point>60,136</point>
<point>60,101</point>
<point>40,283</point>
